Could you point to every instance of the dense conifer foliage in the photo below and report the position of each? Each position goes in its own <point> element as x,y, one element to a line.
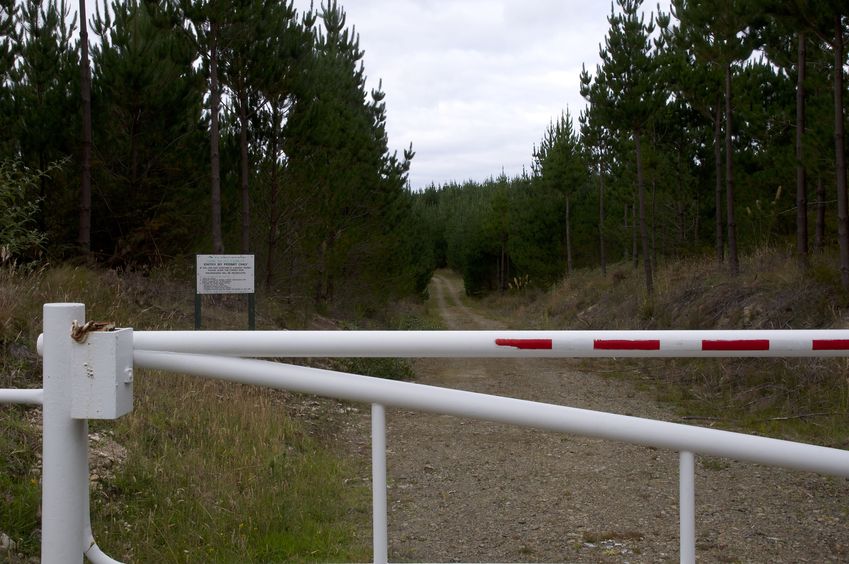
<point>710,127</point>
<point>235,126</point>
<point>247,126</point>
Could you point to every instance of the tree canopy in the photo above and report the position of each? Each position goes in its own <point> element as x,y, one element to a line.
<point>696,131</point>
<point>247,125</point>
<point>217,125</point>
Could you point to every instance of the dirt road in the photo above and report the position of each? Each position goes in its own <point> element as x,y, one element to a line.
<point>464,490</point>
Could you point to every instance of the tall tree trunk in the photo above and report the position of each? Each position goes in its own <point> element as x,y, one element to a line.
<point>717,157</point>
<point>274,218</point>
<point>214,155</point>
<point>819,232</point>
<point>801,184</point>
<point>696,224</point>
<point>733,261</point>
<point>42,192</point>
<point>568,238</point>
<point>840,154</point>
<point>246,197</point>
<point>84,233</point>
<point>654,223</point>
<point>502,266</point>
<point>322,277</point>
<point>653,226</point>
<point>42,158</point>
<point>644,232</point>
<point>506,262</point>
<point>635,255</point>
<point>601,254</point>
<point>681,204</point>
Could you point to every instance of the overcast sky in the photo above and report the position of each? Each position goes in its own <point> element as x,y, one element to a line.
<point>474,83</point>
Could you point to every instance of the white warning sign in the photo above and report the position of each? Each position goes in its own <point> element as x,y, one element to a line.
<point>225,274</point>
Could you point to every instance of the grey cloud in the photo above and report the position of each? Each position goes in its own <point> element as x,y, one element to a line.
<point>474,83</point>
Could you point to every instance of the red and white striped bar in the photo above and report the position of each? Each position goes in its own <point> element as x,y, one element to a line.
<point>501,344</point>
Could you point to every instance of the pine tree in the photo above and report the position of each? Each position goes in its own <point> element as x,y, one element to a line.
<point>801,170</point>
<point>46,75</point>
<point>283,51</point>
<point>560,167</point>
<point>84,236</point>
<point>595,142</point>
<point>9,43</point>
<point>244,34</point>
<point>202,21</point>
<point>726,33</point>
<point>325,135</point>
<point>629,94</point>
<point>595,146</point>
<point>785,41</point>
<point>337,154</point>
<point>150,149</point>
<point>693,72</point>
<point>827,20</point>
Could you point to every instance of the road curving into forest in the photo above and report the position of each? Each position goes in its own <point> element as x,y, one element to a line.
<point>465,490</point>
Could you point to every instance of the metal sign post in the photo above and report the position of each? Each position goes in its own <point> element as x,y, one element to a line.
<point>225,274</point>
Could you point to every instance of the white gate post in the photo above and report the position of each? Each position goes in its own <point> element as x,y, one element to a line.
<point>378,483</point>
<point>687,504</point>
<point>65,448</point>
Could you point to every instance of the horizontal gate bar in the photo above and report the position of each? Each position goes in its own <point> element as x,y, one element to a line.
<point>499,409</point>
<point>541,344</point>
<point>22,395</point>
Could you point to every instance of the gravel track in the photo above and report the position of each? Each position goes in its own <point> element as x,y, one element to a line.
<point>465,490</point>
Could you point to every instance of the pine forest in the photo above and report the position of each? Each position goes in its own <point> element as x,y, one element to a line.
<point>184,126</point>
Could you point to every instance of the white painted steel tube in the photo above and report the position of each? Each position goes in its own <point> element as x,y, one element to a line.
<point>378,484</point>
<point>28,396</point>
<point>525,413</point>
<point>65,446</point>
<point>96,556</point>
<point>93,553</point>
<point>539,344</point>
<point>687,505</point>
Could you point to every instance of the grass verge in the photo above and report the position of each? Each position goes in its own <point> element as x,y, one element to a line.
<point>200,470</point>
<point>231,478</point>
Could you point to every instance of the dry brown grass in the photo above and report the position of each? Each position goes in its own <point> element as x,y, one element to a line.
<point>805,399</point>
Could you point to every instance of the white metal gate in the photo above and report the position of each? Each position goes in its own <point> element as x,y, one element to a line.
<point>91,377</point>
